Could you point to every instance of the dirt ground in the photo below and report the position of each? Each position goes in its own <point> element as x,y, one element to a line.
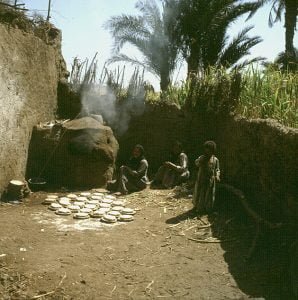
<point>157,256</point>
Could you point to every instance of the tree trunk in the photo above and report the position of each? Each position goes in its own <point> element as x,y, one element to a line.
<point>291,7</point>
<point>164,82</point>
<point>192,62</point>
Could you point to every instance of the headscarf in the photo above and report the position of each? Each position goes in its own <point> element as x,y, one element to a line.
<point>174,157</point>
<point>134,162</point>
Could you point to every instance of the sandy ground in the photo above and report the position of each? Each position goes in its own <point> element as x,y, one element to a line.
<point>154,257</point>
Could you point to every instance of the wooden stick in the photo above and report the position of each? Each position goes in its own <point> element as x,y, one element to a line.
<point>15,7</point>
<point>211,242</point>
<point>52,292</point>
<point>253,214</point>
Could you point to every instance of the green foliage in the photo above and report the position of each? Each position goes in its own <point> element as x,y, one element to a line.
<point>288,9</point>
<point>269,94</point>
<point>252,94</point>
<point>201,32</point>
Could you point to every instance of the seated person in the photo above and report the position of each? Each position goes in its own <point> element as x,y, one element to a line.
<point>172,172</point>
<point>132,177</point>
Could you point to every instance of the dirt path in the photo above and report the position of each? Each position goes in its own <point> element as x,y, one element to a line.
<point>149,258</point>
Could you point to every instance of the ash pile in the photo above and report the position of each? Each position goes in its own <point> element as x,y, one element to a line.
<point>77,153</point>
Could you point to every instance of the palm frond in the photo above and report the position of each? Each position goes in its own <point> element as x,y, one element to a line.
<point>239,47</point>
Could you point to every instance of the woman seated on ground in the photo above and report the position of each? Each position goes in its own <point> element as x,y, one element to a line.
<point>172,172</point>
<point>208,175</point>
<point>132,177</point>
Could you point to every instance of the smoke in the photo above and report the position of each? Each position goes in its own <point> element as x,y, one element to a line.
<point>101,100</point>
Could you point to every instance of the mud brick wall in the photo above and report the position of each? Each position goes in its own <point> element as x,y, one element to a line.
<point>258,156</point>
<point>28,95</point>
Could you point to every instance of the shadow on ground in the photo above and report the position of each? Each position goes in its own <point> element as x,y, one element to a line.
<point>266,274</point>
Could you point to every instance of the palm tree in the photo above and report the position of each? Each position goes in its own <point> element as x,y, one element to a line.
<point>201,32</point>
<point>148,32</point>
<point>290,10</point>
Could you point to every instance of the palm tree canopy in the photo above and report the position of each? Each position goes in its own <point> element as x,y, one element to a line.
<point>290,10</point>
<point>148,33</point>
<point>201,31</point>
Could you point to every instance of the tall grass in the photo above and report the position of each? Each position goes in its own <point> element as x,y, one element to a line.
<point>269,94</point>
<point>253,93</point>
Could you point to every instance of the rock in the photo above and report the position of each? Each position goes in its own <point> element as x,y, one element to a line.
<point>78,153</point>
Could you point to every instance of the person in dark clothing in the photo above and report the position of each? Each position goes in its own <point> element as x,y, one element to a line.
<point>132,177</point>
<point>172,172</point>
<point>207,178</point>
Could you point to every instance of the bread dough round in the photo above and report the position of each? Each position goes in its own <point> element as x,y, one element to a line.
<point>63,211</point>
<point>128,211</point>
<point>108,218</point>
<point>55,206</point>
<point>86,210</point>
<point>72,196</point>
<point>82,199</point>
<point>74,208</point>
<point>110,197</point>
<point>94,202</point>
<point>85,194</point>
<point>81,215</point>
<point>98,213</point>
<point>118,203</point>
<point>118,208</point>
<point>105,205</point>
<point>49,200</point>
<point>64,201</point>
<point>52,196</point>
<point>109,201</point>
<point>114,213</point>
<point>80,204</point>
<point>126,218</point>
<point>90,206</point>
<point>96,197</point>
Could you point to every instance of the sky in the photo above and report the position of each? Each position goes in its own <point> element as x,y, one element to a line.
<point>81,22</point>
